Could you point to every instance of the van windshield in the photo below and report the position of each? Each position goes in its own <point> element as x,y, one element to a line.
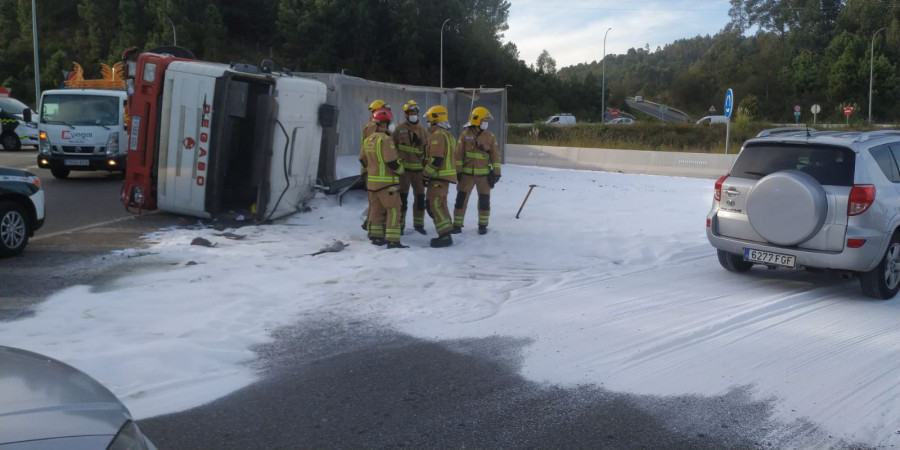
<point>80,109</point>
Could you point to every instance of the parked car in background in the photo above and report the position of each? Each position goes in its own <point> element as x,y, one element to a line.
<point>712,120</point>
<point>47,404</point>
<point>21,209</point>
<point>560,119</point>
<point>19,126</point>
<point>638,98</point>
<point>621,121</point>
<point>824,201</point>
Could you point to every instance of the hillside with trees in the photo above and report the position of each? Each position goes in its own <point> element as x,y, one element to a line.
<point>773,53</point>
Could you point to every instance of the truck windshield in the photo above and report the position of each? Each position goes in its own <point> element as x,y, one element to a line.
<point>80,109</point>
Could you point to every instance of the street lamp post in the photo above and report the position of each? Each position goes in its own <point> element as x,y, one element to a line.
<point>871,67</point>
<point>442,51</point>
<point>603,84</point>
<point>37,67</point>
<point>174,36</point>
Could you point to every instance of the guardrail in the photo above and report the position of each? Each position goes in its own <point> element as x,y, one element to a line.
<point>692,165</point>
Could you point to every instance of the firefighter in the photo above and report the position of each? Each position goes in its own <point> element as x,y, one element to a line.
<point>440,173</point>
<point>368,129</point>
<point>382,166</point>
<point>409,138</point>
<point>478,159</point>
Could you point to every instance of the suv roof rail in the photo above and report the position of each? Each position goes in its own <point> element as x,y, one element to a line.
<point>785,130</point>
<point>865,136</point>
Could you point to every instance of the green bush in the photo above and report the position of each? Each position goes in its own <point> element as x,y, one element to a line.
<point>669,137</point>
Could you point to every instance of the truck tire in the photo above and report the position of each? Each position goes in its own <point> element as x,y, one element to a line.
<point>61,174</point>
<point>732,262</point>
<point>14,230</point>
<point>883,281</point>
<point>787,207</point>
<point>10,141</point>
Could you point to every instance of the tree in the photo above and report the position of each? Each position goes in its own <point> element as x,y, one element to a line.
<point>546,63</point>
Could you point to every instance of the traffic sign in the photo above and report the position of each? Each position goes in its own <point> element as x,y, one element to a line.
<point>4,92</point>
<point>816,109</point>
<point>796,108</point>
<point>614,113</point>
<point>712,108</point>
<point>848,110</point>
<point>729,102</point>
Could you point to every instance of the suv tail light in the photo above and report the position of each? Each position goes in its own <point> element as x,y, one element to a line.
<point>861,198</point>
<point>717,194</point>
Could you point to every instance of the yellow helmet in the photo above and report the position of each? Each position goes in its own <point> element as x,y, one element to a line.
<point>378,104</point>
<point>411,106</point>
<point>436,114</point>
<point>478,114</point>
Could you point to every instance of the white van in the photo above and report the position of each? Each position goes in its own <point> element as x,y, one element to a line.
<point>712,119</point>
<point>82,129</point>
<point>560,119</point>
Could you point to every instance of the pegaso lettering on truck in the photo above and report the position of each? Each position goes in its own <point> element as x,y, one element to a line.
<point>203,156</point>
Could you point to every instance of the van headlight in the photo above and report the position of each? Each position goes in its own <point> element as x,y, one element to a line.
<point>44,143</point>
<point>112,144</point>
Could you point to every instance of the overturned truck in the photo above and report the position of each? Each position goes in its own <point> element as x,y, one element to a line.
<point>221,141</point>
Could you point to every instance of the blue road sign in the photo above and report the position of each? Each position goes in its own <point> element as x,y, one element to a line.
<point>729,102</point>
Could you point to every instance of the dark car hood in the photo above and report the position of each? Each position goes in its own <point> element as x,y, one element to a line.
<point>38,391</point>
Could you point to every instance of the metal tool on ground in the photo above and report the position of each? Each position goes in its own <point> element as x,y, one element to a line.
<point>530,187</point>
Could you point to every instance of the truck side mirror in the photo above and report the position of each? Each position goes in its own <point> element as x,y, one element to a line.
<point>328,115</point>
<point>26,114</point>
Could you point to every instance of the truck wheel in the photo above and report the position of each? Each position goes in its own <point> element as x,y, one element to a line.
<point>13,229</point>
<point>10,141</point>
<point>883,281</point>
<point>732,262</point>
<point>62,174</point>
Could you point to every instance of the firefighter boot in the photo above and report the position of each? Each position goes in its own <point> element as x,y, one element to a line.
<point>396,245</point>
<point>456,230</point>
<point>443,240</point>
<point>482,229</point>
<point>378,241</point>
<point>420,229</point>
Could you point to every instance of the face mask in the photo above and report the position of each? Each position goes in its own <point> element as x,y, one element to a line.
<point>391,128</point>
<point>413,119</point>
<point>484,125</point>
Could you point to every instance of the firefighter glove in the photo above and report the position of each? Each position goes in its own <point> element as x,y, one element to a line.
<point>493,179</point>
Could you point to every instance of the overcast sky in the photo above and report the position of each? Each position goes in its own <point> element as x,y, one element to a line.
<point>572,31</point>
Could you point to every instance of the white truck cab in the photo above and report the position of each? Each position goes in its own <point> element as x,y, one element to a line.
<point>214,140</point>
<point>82,129</point>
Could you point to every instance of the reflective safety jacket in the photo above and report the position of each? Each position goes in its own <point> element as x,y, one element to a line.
<point>440,155</point>
<point>379,153</point>
<point>410,139</point>
<point>367,130</point>
<point>477,152</point>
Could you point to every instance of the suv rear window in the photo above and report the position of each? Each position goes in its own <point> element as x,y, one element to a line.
<point>829,165</point>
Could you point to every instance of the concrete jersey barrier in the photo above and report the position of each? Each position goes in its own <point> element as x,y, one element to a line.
<point>693,165</point>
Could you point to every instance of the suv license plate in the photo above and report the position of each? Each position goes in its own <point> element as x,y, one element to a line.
<point>777,259</point>
<point>76,162</point>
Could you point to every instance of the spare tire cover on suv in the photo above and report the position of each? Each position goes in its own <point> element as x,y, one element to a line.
<point>787,207</point>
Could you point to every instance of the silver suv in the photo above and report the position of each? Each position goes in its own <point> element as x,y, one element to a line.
<point>815,200</point>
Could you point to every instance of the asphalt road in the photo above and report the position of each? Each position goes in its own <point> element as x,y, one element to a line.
<point>84,222</point>
<point>654,110</point>
<point>328,383</point>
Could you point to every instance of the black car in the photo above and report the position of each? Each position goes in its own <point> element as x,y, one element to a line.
<point>21,209</point>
